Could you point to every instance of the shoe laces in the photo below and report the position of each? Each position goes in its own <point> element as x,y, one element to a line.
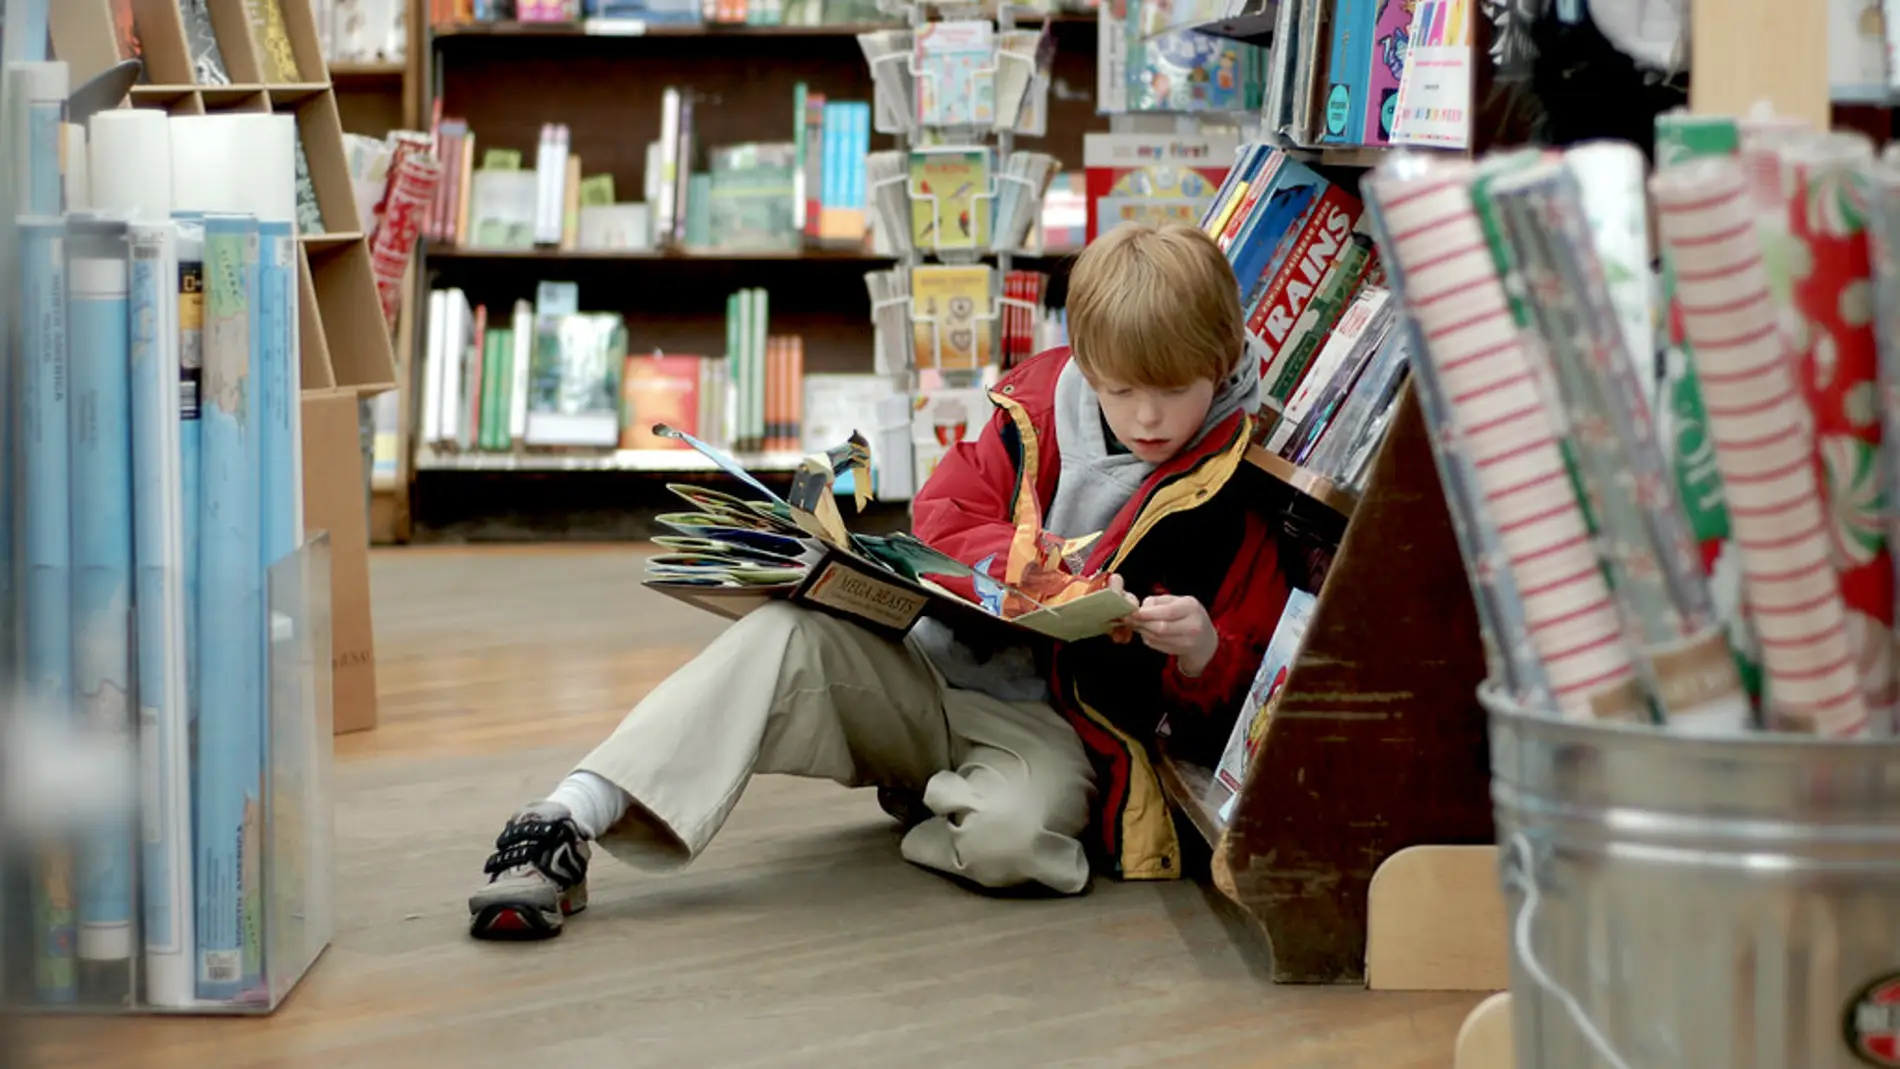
<point>533,841</point>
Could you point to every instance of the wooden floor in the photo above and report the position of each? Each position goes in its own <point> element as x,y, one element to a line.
<point>801,940</point>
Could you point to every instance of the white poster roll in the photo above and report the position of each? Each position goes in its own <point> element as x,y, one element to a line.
<point>235,162</point>
<point>131,172</point>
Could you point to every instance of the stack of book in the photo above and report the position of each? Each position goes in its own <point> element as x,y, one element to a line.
<point>156,436</point>
<point>1316,306</point>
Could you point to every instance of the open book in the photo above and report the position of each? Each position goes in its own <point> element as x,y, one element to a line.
<point>733,552</point>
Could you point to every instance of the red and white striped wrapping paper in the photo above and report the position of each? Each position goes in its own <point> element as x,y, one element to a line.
<point>1452,290</point>
<point>412,185</point>
<point>1760,431</point>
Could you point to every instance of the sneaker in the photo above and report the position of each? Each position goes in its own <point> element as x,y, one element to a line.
<point>537,876</point>
<point>905,806</point>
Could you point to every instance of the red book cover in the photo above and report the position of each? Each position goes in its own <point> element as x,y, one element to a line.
<point>658,388</point>
<point>1320,242</point>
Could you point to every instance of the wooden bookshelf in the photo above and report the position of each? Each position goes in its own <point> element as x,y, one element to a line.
<point>604,79</point>
<point>1377,743</point>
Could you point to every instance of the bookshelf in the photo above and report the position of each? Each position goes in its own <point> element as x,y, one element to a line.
<point>1377,744</point>
<point>343,344</point>
<point>605,80</point>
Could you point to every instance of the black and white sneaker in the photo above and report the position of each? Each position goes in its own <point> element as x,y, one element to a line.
<point>537,876</point>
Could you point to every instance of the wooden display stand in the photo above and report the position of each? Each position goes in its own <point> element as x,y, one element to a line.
<point>344,343</point>
<point>1378,742</point>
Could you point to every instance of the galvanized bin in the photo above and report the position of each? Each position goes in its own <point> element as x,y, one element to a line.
<point>1695,903</point>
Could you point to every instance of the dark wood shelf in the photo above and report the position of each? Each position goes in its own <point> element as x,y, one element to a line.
<point>366,72</point>
<point>668,255</point>
<point>1186,785</point>
<point>659,29</point>
<point>1317,487</point>
<point>1254,29</point>
<point>635,28</point>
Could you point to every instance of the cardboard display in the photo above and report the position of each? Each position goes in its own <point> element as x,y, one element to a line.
<point>333,502</point>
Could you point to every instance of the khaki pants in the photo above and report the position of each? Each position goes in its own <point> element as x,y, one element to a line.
<point>792,691</point>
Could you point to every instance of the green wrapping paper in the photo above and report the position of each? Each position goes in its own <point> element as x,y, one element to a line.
<point>1548,253</point>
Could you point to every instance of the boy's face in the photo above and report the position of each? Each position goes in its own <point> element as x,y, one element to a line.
<point>1154,422</point>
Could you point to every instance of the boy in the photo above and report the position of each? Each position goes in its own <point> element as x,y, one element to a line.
<point>1000,762</point>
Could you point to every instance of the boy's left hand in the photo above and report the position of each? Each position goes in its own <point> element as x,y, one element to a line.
<point>1179,627</point>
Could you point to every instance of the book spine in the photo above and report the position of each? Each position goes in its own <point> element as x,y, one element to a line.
<point>1385,67</point>
<point>231,622</point>
<point>278,385</point>
<point>190,322</point>
<point>46,513</point>
<point>1345,108</point>
<point>159,594</point>
<point>99,404</point>
<point>760,322</point>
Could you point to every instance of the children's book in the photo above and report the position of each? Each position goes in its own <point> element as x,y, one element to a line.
<point>951,315</point>
<point>950,198</point>
<point>796,548</point>
<point>1256,712</point>
<point>956,73</point>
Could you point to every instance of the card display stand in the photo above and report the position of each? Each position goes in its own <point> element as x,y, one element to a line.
<point>899,88</point>
<point>1377,742</point>
<point>296,919</point>
<point>345,341</point>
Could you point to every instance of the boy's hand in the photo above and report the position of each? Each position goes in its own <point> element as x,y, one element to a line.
<point>1179,627</point>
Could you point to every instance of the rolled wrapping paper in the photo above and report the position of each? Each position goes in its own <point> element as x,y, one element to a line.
<point>1682,423</point>
<point>1467,334</point>
<point>1837,370</point>
<point>1885,246</point>
<point>412,185</point>
<point>131,170</point>
<point>1494,597</point>
<point>1610,176</point>
<point>243,163</point>
<point>1758,424</point>
<point>1644,535</point>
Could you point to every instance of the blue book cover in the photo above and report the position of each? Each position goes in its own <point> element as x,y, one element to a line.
<point>1348,70</point>
<point>1277,217</point>
<point>278,382</point>
<point>46,545</point>
<point>231,634</point>
<point>99,348</point>
<point>158,553</point>
<point>860,148</point>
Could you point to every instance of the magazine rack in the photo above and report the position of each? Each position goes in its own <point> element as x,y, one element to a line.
<point>1377,743</point>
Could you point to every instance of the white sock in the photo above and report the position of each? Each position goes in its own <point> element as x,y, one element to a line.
<point>595,803</point>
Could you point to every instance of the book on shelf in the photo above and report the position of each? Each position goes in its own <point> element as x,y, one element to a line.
<point>1152,178</point>
<point>759,197</point>
<point>752,546</point>
<point>545,375</point>
<point>1316,310</point>
<point>1349,66</point>
<point>363,31</point>
<point>1256,710</point>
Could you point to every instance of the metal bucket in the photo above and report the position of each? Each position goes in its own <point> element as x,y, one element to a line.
<point>1694,903</point>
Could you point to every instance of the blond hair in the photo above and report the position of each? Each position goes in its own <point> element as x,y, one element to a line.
<point>1155,306</point>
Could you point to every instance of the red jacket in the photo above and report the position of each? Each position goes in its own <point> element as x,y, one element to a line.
<point>1188,530</point>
